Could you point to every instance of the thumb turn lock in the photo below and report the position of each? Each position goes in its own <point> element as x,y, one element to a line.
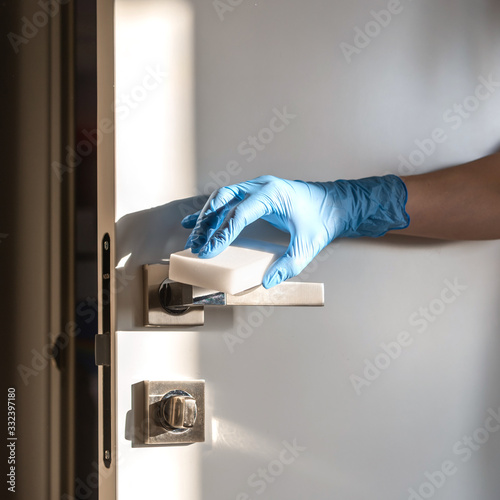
<point>177,411</point>
<point>168,412</point>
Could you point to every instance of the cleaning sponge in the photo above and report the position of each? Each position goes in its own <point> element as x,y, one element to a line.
<point>234,270</point>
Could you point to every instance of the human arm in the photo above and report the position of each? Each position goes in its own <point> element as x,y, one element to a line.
<point>457,203</point>
<point>462,202</point>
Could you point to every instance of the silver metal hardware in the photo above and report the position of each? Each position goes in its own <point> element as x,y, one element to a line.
<point>154,313</point>
<point>169,303</point>
<point>168,412</point>
<point>177,410</point>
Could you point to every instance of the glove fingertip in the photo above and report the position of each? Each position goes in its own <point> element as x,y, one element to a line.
<point>192,244</point>
<point>273,278</point>
<point>208,251</point>
<point>193,248</point>
<point>189,221</point>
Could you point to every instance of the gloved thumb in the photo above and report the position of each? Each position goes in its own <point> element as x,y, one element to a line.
<point>287,266</point>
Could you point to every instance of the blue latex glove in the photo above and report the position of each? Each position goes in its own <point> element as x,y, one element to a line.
<point>314,213</point>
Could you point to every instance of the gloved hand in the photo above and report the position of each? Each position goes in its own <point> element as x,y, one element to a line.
<point>314,213</point>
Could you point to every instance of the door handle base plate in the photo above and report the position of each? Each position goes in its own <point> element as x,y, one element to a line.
<point>149,428</point>
<point>154,314</point>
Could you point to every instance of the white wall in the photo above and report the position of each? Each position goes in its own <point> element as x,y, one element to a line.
<point>291,377</point>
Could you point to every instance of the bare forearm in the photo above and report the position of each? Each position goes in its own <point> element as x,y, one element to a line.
<point>458,203</point>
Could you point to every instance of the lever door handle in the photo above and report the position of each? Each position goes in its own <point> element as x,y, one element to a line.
<point>175,295</point>
<point>169,303</point>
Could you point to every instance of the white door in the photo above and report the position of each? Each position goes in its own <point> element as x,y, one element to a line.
<point>390,391</point>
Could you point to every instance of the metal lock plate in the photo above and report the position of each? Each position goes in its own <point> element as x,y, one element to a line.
<point>154,314</point>
<point>168,412</point>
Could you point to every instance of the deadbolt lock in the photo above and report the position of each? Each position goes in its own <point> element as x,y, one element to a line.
<point>177,411</point>
<point>168,412</point>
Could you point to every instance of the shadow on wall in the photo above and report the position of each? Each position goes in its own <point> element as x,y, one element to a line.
<point>149,236</point>
<point>145,237</point>
<point>152,235</point>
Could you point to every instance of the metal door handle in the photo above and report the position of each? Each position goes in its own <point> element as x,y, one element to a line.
<point>175,295</point>
<point>169,303</point>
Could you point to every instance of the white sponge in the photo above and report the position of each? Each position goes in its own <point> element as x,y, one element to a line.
<point>234,270</point>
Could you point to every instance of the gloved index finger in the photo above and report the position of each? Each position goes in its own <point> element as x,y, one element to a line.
<point>190,220</point>
<point>237,218</point>
<point>220,198</point>
<point>229,194</point>
<point>215,212</point>
<point>209,220</point>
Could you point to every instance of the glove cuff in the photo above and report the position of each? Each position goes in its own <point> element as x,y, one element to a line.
<point>373,205</point>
